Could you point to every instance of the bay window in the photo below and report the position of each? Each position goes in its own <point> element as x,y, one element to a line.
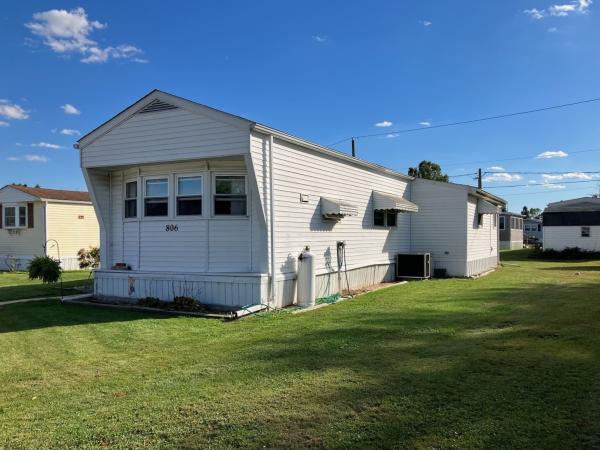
<point>230,195</point>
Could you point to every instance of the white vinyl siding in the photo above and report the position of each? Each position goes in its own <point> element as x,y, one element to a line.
<point>297,224</point>
<point>482,239</point>
<point>169,135</point>
<point>561,237</point>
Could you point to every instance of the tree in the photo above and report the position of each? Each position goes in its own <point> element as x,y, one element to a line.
<point>535,212</point>
<point>525,212</point>
<point>429,171</point>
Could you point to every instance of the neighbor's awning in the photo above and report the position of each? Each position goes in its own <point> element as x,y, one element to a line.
<point>337,208</point>
<point>485,207</point>
<point>391,202</point>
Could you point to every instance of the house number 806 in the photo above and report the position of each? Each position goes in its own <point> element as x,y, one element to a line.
<point>171,227</point>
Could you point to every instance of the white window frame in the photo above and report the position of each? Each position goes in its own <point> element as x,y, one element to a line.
<point>137,203</point>
<point>167,177</point>
<point>202,196</point>
<point>213,191</point>
<point>16,207</point>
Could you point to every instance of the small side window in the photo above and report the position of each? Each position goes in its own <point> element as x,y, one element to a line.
<point>131,199</point>
<point>383,218</point>
<point>585,232</point>
<point>479,220</point>
<point>10,220</point>
<point>502,222</point>
<point>230,195</point>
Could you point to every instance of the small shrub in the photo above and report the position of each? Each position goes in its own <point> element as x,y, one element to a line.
<point>151,302</point>
<point>440,273</point>
<point>183,303</point>
<point>44,268</point>
<point>569,253</point>
<point>89,259</point>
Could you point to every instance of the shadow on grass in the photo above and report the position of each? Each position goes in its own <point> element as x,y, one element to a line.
<point>39,290</point>
<point>575,268</point>
<point>50,313</point>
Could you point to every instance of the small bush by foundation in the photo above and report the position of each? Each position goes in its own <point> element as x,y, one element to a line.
<point>569,253</point>
<point>181,303</point>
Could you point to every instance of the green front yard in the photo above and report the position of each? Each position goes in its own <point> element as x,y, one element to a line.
<point>16,285</point>
<point>511,360</point>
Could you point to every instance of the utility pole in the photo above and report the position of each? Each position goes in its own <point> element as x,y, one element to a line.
<point>353,148</point>
<point>479,180</point>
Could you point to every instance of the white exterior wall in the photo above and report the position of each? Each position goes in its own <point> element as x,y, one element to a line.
<point>561,237</point>
<point>299,170</point>
<point>202,244</point>
<point>482,240</point>
<point>440,226</point>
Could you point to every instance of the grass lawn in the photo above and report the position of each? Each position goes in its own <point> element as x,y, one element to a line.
<point>16,285</point>
<point>510,360</point>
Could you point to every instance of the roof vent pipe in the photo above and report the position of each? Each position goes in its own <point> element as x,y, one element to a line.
<point>353,148</point>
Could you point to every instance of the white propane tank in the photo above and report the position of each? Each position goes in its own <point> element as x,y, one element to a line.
<point>306,283</point>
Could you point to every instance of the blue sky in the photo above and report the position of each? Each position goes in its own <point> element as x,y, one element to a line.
<point>321,70</point>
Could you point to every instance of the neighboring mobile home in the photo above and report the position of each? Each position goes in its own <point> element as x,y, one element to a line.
<point>572,223</point>
<point>195,201</point>
<point>511,231</point>
<point>31,217</point>
<point>532,231</point>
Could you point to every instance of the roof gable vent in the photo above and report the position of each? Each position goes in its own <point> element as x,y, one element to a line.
<point>155,106</point>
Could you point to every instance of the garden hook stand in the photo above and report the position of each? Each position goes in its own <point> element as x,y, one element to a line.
<point>58,252</point>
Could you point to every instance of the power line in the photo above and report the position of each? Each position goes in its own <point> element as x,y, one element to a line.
<point>545,192</point>
<point>542,184</point>
<point>517,158</point>
<point>471,121</point>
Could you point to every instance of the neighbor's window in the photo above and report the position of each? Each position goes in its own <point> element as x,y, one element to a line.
<point>15,216</point>
<point>479,220</point>
<point>230,195</point>
<point>383,218</point>
<point>130,199</point>
<point>156,197</point>
<point>189,196</point>
<point>585,231</point>
<point>502,222</point>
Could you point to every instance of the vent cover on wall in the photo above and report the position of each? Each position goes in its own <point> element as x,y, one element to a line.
<point>155,106</point>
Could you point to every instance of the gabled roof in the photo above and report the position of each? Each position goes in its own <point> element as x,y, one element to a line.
<point>156,95</point>
<point>472,190</point>
<point>581,204</point>
<point>53,194</point>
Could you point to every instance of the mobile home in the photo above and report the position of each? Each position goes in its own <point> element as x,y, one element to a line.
<point>192,200</point>
<point>511,231</point>
<point>38,221</point>
<point>572,223</point>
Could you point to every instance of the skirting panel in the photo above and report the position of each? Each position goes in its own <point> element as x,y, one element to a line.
<point>228,290</point>
<point>482,265</point>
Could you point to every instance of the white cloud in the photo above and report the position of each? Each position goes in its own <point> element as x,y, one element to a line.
<point>552,30</point>
<point>392,135</point>
<point>3,123</point>
<point>12,111</point>
<point>319,39</point>
<point>496,169</point>
<point>425,124</point>
<point>426,23</point>
<point>562,10</point>
<point>552,154</point>
<point>502,176</point>
<point>68,32</point>
<point>29,158</point>
<point>532,182</point>
<point>554,186</point>
<point>384,124</point>
<point>566,176</point>
<point>70,132</point>
<point>70,109</point>
<point>535,13</point>
<point>46,145</point>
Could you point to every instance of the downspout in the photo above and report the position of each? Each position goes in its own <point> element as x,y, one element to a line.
<point>45,206</point>
<point>272,221</point>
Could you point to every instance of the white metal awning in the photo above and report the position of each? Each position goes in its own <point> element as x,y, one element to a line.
<point>391,202</point>
<point>331,208</point>
<point>485,207</point>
